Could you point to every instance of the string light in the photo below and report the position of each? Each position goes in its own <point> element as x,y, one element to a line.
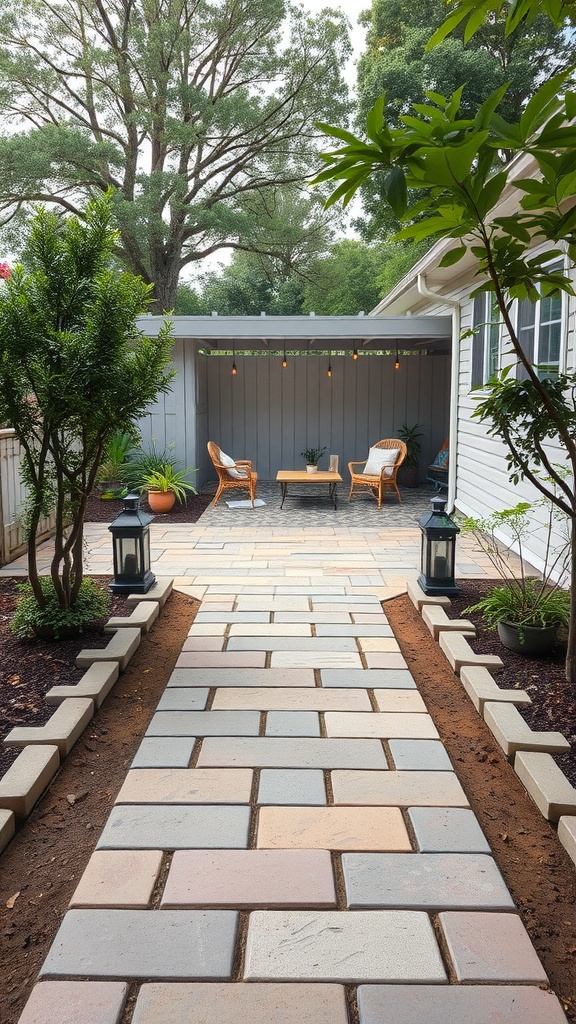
<point>397,363</point>
<point>234,370</point>
<point>284,360</point>
<point>330,365</point>
<point>355,353</point>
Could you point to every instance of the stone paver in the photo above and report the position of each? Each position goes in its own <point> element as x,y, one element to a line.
<point>429,881</point>
<point>118,878</point>
<point>76,1002</point>
<point>284,752</point>
<point>420,755</point>
<point>164,752</point>
<point>227,1004</point>
<point>332,828</point>
<point>458,1004</point>
<point>399,700</point>
<point>368,630</point>
<point>246,878</point>
<point>293,644</point>
<point>313,659</point>
<point>326,946</point>
<point>148,826</point>
<point>301,786</point>
<point>399,726</point>
<point>186,786</point>
<point>8,827</point>
<point>242,677</point>
<point>447,830</point>
<point>176,944</point>
<point>222,659</point>
<point>385,678</point>
<point>183,699</point>
<point>491,947</point>
<point>292,723</point>
<point>400,788</point>
<point>204,723</point>
<point>310,699</point>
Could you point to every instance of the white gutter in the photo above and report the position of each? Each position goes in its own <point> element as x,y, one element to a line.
<point>427,293</point>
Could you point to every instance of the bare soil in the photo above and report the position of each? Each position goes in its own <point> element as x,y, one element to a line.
<point>40,868</point>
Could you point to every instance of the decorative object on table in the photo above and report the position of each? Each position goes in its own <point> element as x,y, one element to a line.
<point>166,485</point>
<point>527,611</point>
<point>380,468</point>
<point>437,472</point>
<point>232,474</point>
<point>312,456</point>
<point>131,549</point>
<point>333,467</point>
<point>408,474</point>
<point>438,558</point>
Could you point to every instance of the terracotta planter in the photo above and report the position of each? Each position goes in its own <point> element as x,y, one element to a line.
<point>161,501</point>
<point>529,640</point>
<point>311,469</point>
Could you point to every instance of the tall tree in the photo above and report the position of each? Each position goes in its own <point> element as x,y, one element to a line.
<point>399,63</point>
<point>344,283</point>
<point>74,369</point>
<point>193,112</point>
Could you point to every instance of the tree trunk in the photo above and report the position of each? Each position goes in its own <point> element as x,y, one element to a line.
<point>571,652</point>
<point>165,275</point>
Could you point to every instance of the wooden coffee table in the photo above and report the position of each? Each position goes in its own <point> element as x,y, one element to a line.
<point>296,476</point>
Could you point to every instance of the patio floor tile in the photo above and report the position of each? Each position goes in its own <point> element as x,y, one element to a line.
<point>458,1004</point>
<point>426,881</point>
<point>76,1002</point>
<point>183,699</point>
<point>386,678</point>
<point>247,878</point>
<point>420,755</point>
<point>241,677</point>
<point>331,946</point>
<point>284,752</point>
<point>384,659</point>
<point>292,723</point>
<point>399,700</point>
<point>175,944</point>
<point>364,723</point>
<point>447,830</point>
<point>491,947</point>
<point>118,878</point>
<point>204,723</point>
<point>321,659</point>
<point>400,789</point>
<point>181,827</point>
<point>186,786</point>
<point>299,786</point>
<point>221,659</point>
<point>311,699</point>
<point>332,828</point>
<point>293,644</point>
<point>164,752</point>
<point>227,1004</point>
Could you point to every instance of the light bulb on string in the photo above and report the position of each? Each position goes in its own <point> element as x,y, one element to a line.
<point>330,366</point>
<point>355,353</point>
<point>284,360</point>
<point>397,363</point>
<point>234,370</point>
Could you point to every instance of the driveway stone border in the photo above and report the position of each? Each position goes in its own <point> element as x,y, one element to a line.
<point>43,747</point>
<point>553,794</point>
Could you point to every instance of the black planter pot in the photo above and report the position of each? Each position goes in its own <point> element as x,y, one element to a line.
<point>529,640</point>
<point>408,476</point>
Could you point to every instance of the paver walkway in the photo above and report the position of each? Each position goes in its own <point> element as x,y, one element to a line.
<point>291,843</point>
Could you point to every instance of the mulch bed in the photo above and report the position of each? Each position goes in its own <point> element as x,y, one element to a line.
<point>553,699</point>
<point>104,511</point>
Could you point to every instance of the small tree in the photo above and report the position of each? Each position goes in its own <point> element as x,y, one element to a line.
<point>74,369</point>
<point>453,163</point>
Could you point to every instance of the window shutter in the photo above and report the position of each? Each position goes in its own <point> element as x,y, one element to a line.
<point>478,341</point>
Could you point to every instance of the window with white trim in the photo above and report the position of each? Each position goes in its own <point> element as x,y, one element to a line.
<point>486,339</point>
<point>539,328</point>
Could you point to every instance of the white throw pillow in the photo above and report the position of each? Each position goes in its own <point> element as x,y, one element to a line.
<point>238,474</point>
<point>381,458</point>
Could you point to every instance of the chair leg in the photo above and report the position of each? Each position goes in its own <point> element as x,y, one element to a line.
<point>218,495</point>
<point>252,492</point>
<point>398,493</point>
<point>351,489</point>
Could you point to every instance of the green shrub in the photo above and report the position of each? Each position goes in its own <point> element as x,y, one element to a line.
<point>92,604</point>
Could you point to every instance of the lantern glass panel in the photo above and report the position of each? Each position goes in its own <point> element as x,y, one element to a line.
<point>146,550</point>
<point>441,559</point>
<point>130,562</point>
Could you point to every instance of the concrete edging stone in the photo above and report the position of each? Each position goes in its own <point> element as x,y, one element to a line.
<point>544,781</point>
<point>42,746</point>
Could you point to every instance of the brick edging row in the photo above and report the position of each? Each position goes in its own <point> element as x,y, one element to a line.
<point>530,752</point>
<point>45,747</point>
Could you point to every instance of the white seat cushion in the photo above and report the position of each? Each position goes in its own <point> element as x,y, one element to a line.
<point>381,458</point>
<point>238,474</point>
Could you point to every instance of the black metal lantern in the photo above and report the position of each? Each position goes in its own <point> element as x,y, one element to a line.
<point>131,544</point>
<point>438,550</point>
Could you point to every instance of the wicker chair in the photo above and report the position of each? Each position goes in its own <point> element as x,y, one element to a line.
<point>226,481</point>
<point>386,477</point>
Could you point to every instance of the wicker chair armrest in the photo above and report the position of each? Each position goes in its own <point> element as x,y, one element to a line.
<point>243,463</point>
<point>350,464</point>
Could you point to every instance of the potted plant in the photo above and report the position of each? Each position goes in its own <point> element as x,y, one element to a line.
<point>526,610</point>
<point>166,484</point>
<point>408,471</point>
<point>112,468</point>
<point>312,456</point>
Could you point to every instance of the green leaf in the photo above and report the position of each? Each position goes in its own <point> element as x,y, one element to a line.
<point>454,256</point>
<point>452,21</point>
<point>396,191</point>
<point>537,108</point>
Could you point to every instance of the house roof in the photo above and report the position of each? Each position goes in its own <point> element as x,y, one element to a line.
<point>308,333</point>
